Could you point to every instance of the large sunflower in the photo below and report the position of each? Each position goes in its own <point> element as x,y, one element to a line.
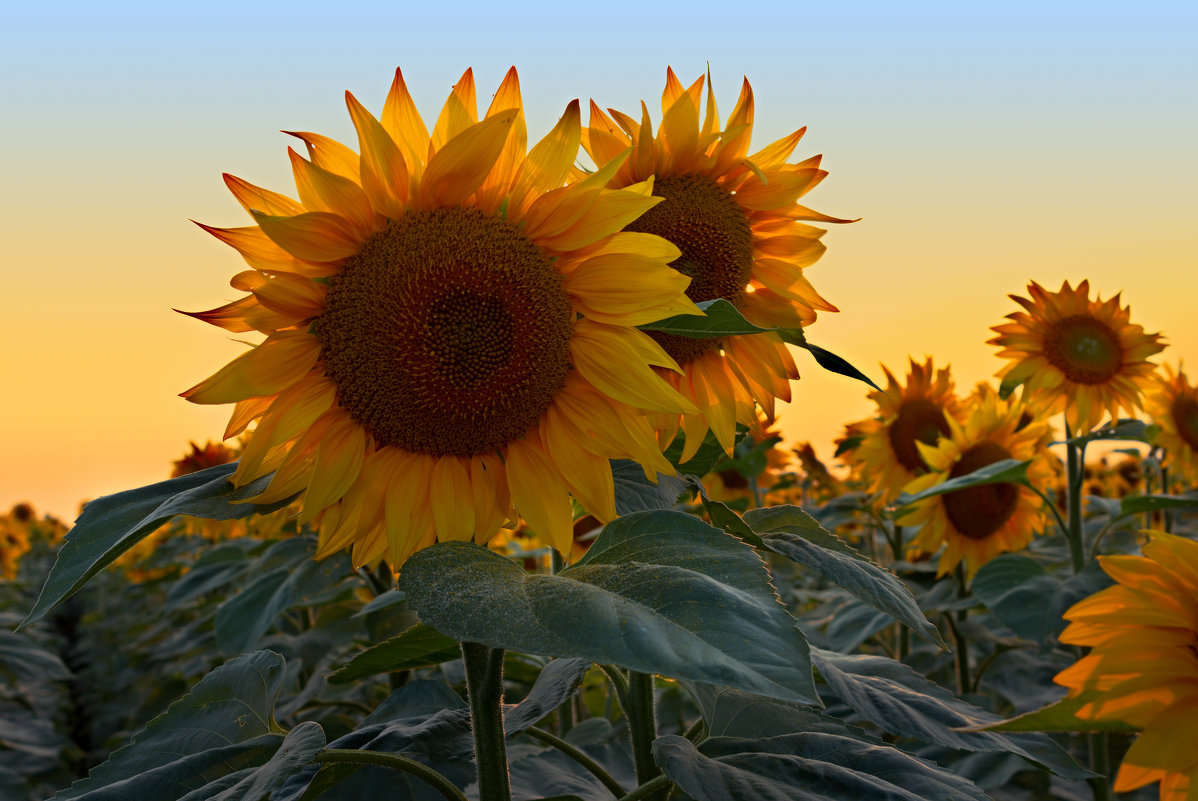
<point>450,329</point>
<point>1172,403</point>
<point>888,456</point>
<point>979,523</point>
<point>1143,633</point>
<point>1076,355</point>
<point>735,218</point>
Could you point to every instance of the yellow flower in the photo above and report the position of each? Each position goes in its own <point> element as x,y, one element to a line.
<point>1172,403</point>
<point>735,218</point>
<point>1075,355</point>
<point>888,457</point>
<point>979,523</point>
<point>451,330</point>
<point>201,458</point>
<point>1143,633</point>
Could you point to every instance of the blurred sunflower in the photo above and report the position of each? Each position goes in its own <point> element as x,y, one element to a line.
<point>1172,403</point>
<point>741,234</point>
<point>446,336</point>
<point>887,455</point>
<point>201,458</point>
<point>1144,661</point>
<point>14,538</point>
<point>1075,355</point>
<point>978,523</point>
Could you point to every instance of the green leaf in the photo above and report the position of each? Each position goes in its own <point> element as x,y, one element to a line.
<point>791,532</point>
<point>553,686</point>
<point>813,766</point>
<point>1008,386</point>
<point>111,525</point>
<point>898,700</point>
<point>298,747</point>
<point>825,358</point>
<point>722,319</point>
<point>1059,717</point>
<point>1138,504</point>
<point>25,660</point>
<point>1126,429</point>
<point>658,592</point>
<point>710,452</point>
<point>419,646</point>
<point>728,712</point>
<point>224,725</point>
<point>1007,471</point>
<point>635,493</point>
<point>243,618</point>
<point>1015,588</point>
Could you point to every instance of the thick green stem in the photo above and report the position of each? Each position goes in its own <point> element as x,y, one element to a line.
<point>959,639</point>
<point>349,756</point>
<point>1074,454</point>
<point>642,723</point>
<point>578,756</point>
<point>484,685</point>
<point>1100,785</point>
<point>649,789</point>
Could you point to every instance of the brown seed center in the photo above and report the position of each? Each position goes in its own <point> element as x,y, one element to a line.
<point>448,333</point>
<point>917,421</point>
<point>978,512</point>
<point>706,223</point>
<point>1086,350</point>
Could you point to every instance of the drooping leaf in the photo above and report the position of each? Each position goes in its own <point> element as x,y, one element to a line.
<point>825,358</point>
<point>1127,428</point>
<point>720,319</point>
<point>1138,504</point>
<point>1007,471</point>
<point>791,532</point>
<point>417,647</point>
<point>1061,716</point>
<point>224,725</point>
<point>296,751</point>
<point>658,592</point>
<point>635,493</point>
<point>709,453</point>
<point>898,700</point>
<point>813,766</point>
<point>111,525</point>
<point>728,712</point>
<point>553,686</point>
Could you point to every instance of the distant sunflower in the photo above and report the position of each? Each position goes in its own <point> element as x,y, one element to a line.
<point>887,457</point>
<point>976,524</point>
<point>1172,403</point>
<point>1075,355</point>
<point>1143,633</point>
<point>201,458</point>
<point>446,337</point>
<point>735,218</point>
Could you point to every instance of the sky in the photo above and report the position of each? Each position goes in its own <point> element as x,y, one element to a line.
<point>981,146</point>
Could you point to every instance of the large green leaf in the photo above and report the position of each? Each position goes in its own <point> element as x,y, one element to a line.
<point>224,725</point>
<point>719,319</point>
<point>111,525</point>
<point>296,751</point>
<point>1127,429</point>
<point>635,493</point>
<point>898,700</point>
<point>1060,717</point>
<point>1138,504</point>
<point>1007,471</point>
<point>728,712</point>
<point>658,592</point>
<point>25,660</point>
<point>791,532</point>
<point>1015,587</point>
<point>416,647</point>
<point>814,766</point>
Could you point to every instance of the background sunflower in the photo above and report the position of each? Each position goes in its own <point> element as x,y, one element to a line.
<point>1172,404</point>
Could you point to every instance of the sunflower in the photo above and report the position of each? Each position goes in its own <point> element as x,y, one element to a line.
<point>200,458</point>
<point>451,330</point>
<point>887,456</point>
<point>1075,355</point>
<point>742,237</point>
<point>1172,403</point>
<point>978,523</point>
<point>1143,632</point>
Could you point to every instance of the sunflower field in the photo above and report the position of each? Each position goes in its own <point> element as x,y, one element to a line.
<point>502,509</point>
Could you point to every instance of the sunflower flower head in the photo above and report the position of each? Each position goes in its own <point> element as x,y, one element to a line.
<point>1143,662</point>
<point>976,524</point>
<point>200,458</point>
<point>887,455</point>
<point>1084,357</point>
<point>447,345</point>
<point>1172,403</point>
<point>741,234</point>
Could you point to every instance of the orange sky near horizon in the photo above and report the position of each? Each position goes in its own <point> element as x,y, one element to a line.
<point>971,174</point>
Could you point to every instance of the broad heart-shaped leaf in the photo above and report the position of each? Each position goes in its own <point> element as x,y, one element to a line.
<point>813,766</point>
<point>223,726</point>
<point>296,751</point>
<point>1061,716</point>
<point>1028,599</point>
<point>111,525</point>
<point>658,592</point>
<point>898,700</point>
<point>1007,471</point>
<point>728,712</point>
<point>635,493</point>
<point>416,647</point>
<point>791,532</point>
<point>720,319</point>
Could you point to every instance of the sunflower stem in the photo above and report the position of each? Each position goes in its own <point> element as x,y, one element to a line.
<point>349,756</point>
<point>1100,785</point>
<point>590,765</point>
<point>484,686</point>
<point>1074,469</point>
<point>642,724</point>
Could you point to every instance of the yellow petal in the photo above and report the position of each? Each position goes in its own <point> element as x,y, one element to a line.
<point>329,154</point>
<point>548,163</point>
<point>293,295</point>
<point>539,494</point>
<point>316,236</point>
<point>628,290</point>
<point>384,172</point>
<point>452,499</point>
<point>255,197</point>
<point>276,364</point>
<point>339,458</point>
<point>783,189</point>
<point>610,212</point>
<point>459,168</point>
<point>321,190</point>
<point>459,112</point>
<point>588,475</point>
<point>616,361</point>
<point>402,120</point>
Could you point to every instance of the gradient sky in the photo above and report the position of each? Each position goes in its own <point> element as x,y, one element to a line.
<point>982,146</point>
